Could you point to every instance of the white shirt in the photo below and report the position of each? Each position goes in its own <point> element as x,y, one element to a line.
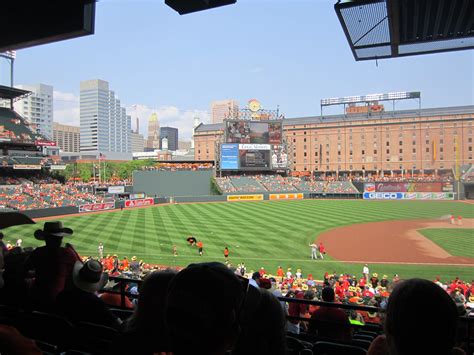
<point>365,270</point>
<point>18,242</point>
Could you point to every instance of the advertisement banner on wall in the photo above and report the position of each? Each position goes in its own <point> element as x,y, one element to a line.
<point>26,167</point>
<point>424,187</point>
<point>384,195</point>
<point>93,207</point>
<point>137,196</point>
<point>286,196</point>
<point>58,167</point>
<point>244,197</point>
<point>408,196</point>
<point>139,203</point>
<point>369,187</point>
<point>116,189</point>
<point>447,187</point>
<point>391,187</point>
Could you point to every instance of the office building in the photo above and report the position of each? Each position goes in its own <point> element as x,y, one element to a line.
<point>66,137</point>
<point>105,126</point>
<point>171,134</point>
<point>220,110</point>
<point>37,108</point>
<point>138,142</point>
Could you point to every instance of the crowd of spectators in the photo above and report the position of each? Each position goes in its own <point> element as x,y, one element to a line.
<point>247,184</point>
<point>468,176</point>
<point>175,166</point>
<point>35,196</point>
<point>278,183</point>
<point>225,184</point>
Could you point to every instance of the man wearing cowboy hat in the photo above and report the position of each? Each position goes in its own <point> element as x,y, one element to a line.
<point>80,303</point>
<point>52,264</point>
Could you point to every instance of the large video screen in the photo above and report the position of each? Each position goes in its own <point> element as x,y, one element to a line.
<point>253,132</point>
<point>253,157</point>
<point>230,157</point>
<point>279,157</point>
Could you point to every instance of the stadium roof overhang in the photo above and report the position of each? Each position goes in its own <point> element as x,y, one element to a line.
<point>40,22</point>
<point>9,93</point>
<point>189,6</point>
<point>377,29</point>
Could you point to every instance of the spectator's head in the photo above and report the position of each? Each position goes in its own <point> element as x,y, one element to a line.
<point>256,276</point>
<point>328,294</point>
<point>150,311</point>
<point>1,236</point>
<point>200,318</point>
<point>89,277</point>
<point>420,318</point>
<point>53,233</point>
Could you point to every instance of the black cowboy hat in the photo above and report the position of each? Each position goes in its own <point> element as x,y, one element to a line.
<point>191,240</point>
<point>54,229</point>
<point>10,219</point>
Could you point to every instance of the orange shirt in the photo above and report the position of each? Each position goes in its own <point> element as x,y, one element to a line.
<point>226,252</point>
<point>199,244</point>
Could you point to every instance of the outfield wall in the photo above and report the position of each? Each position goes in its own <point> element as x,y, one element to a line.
<point>173,183</point>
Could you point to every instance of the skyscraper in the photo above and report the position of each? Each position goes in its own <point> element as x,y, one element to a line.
<point>37,108</point>
<point>172,135</point>
<point>105,126</point>
<point>153,141</point>
<point>221,110</point>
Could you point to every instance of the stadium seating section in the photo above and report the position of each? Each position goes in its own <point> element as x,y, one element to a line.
<point>277,184</point>
<point>14,127</point>
<point>35,196</point>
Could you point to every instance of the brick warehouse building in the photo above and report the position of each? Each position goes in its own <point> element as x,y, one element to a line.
<point>424,139</point>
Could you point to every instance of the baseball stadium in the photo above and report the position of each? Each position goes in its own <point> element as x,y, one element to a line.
<point>330,211</point>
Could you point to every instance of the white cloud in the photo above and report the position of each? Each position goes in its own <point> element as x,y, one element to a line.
<point>66,111</point>
<point>66,108</point>
<point>170,116</point>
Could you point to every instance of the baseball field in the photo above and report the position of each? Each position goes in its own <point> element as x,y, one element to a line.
<point>409,238</point>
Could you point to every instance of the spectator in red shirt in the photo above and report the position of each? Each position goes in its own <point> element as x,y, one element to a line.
<point>52,263</point>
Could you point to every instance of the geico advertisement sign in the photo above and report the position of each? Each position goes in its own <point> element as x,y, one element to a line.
<point>139,203</point>
<point>384,195</point>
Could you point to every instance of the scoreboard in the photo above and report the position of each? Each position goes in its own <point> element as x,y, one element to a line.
<point>253,146</point>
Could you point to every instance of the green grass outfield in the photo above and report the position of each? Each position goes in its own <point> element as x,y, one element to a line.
<point>259,233</point>
<point>457,242</point>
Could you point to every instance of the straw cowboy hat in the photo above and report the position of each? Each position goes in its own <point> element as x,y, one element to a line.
<point>89,277</point>
<point>53,229</point>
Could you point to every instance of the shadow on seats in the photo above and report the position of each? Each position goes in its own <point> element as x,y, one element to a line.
<point>47,328</point>
<point>331,348</point>
<point>94,338</point>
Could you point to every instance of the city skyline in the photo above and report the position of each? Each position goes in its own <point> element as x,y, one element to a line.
<point>293,66</point>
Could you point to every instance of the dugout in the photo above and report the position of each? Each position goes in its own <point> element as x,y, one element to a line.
<point>161,183</point>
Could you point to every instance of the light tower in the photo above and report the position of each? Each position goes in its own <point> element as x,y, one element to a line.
<point>197,122</point>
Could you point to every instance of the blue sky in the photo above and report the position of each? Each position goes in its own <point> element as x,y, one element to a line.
<point>290,53</point>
